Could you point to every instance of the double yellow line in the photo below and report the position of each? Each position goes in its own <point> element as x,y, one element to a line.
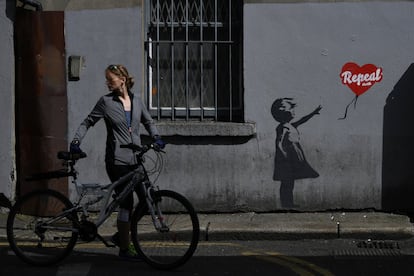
<point>299,266</point>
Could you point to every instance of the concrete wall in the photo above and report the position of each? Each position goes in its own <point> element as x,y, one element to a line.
<point>298,50</point>
<point>7,96</point>
<point>102,37</point>
<point>290,50</point>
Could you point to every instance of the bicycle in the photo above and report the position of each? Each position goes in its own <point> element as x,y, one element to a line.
<point>43,226</point>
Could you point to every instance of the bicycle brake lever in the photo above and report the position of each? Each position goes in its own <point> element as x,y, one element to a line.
<point>156,147</point>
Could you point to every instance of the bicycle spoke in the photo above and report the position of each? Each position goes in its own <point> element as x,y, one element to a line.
<point>35,234</point>
<point>174,244</point>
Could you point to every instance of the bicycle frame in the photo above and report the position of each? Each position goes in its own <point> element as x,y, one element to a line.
<point>106,193</point>
<point>133,180</point>
<point>171,214</point>
<point>106,209</point>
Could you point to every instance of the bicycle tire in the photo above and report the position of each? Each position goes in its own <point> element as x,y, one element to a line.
<point>173,248</point>
<point>37,245</point>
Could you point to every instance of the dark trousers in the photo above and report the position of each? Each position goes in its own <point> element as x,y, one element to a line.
<point>115,172</point>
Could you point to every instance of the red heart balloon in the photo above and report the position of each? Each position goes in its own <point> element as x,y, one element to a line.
<point>360,79</point>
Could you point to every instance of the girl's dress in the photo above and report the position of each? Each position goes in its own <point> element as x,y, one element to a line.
<point>294,165</point>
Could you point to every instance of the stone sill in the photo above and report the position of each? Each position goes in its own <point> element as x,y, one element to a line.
<point>181,128</point>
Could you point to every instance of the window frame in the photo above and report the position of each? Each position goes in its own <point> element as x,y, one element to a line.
<point>235,109</point>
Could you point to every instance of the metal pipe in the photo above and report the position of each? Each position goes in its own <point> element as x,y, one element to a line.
<point>201,62</point>
<point>187,96</point>
<point>172,62</point>
<point>215,64</point>
<point>158,62</point>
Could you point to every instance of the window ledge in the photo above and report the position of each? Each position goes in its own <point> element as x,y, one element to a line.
<point>206,129</point>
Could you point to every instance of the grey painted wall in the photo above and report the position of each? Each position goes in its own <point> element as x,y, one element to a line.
<point>290,50</point>
<point>298,50</point>
<point>7,96</point>
<point>102,37</point>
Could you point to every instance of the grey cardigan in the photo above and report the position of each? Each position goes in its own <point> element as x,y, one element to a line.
<point>111,109</point>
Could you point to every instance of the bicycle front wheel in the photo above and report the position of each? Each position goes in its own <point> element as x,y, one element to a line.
<point>37,230</point>
<point>172,244</point>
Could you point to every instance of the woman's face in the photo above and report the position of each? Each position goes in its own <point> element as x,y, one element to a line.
<point>113,81</point>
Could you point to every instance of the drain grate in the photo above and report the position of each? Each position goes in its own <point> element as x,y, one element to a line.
<point>371,249</point>
<point>378,244</point>
<point>367,253</point>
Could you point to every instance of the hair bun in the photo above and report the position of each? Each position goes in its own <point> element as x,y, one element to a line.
<point>130,82</point>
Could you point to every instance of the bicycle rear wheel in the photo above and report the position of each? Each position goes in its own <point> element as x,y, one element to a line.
<point>175,243</point>
<point>36,230</point>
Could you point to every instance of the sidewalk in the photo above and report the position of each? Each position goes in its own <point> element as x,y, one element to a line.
<point>319,225</point>
<point>283,226</point>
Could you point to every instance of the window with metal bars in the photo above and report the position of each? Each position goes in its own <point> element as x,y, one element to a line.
<point>194,59</point>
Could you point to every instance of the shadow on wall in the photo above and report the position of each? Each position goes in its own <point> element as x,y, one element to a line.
<point>398,146</point>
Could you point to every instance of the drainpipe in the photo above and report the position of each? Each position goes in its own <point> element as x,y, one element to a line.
<point>33,3</point>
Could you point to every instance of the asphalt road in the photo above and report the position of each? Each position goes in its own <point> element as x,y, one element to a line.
<point>297,257</point>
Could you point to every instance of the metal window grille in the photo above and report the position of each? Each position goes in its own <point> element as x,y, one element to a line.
<point>193,50</point>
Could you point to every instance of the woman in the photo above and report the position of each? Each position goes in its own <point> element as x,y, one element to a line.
<point>122,112</point>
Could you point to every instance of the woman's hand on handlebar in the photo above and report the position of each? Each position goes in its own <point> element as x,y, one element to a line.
<point>158,142</point>
<point>75,146</point>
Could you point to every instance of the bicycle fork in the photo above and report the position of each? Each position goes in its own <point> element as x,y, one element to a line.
<point>155,210</point>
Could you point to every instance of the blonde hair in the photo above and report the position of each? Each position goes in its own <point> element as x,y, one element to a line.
<point>121,71</point>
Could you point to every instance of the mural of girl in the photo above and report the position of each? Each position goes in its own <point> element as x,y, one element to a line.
<point>290,161</point>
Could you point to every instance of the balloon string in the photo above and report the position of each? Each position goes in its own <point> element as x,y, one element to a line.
<point>354,100</point>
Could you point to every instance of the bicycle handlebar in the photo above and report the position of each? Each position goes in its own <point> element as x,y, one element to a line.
<point>70,156</point>
<point>73,157</point>
<point>142,149</point>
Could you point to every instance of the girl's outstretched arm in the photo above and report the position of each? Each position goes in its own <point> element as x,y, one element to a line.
<point>306,118</point>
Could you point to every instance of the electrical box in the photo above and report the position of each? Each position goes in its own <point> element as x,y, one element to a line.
<point>75,66</point>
